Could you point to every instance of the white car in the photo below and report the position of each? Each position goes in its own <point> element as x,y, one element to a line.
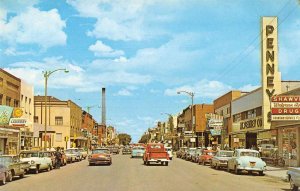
<point>246,160</point>
<point>38,160</point>
<point>170,152</point>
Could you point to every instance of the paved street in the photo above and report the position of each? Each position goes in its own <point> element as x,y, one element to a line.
<point>127,174</point>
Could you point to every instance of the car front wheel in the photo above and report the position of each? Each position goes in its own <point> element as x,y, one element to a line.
<point>292,185</point>
<point>9,176</point>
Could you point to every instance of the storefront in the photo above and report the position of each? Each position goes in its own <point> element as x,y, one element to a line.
<point>9,140</point>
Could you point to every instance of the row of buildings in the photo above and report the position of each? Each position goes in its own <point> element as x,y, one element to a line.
<point>267,118</point>
<point>22,120</point>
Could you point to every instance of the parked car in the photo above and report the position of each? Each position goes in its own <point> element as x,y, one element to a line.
<point>38,160</point>
<point>206,156</point>
<point>180,152</point>
<point>195,156</point>
<point>14,167</point>
<point>220,160</point>
<point>137,152</point>
<point>190,152</point>
<point>248,160</point>
<point>71,157</point>
<point>293,176</point>
<point>126,150</point>
<point>170,152</point>
<point>83,153</point>
<point>114,149</point>
<point>3,174</point>
<point>100,156</point>
<point>77,153</point>
<point>156,153</point>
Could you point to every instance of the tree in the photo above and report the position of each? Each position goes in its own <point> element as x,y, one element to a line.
<point>145,138</point>
<point>124,139</point>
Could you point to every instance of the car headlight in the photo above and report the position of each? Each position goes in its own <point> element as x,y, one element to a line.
<point>32,162</point>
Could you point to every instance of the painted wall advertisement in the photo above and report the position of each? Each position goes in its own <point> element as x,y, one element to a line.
<point>5,114</point>
<point>285,108</point>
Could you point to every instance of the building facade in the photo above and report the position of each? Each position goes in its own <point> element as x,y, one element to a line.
<point>64,123</point>
<point>10,91</point>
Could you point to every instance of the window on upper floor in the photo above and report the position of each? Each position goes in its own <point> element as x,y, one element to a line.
<point>36,119</point>
<point>8,100</point>
<point>1,97</point>
<point>237,117</point>
<point>58,120</point>
<point>16,103</point>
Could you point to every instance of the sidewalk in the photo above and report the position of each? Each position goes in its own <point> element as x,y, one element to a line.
<point>276,172</point>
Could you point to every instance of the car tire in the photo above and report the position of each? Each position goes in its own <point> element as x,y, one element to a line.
<point>9,176</point>
<point>236,170</point>
<point>36,170</point>
<point>166,163</point>
<point>217,167</point>
<point>261,173</point>
<point>22,175</point>
<point>292,185</point>
<point>228,169</point>
<point>203,163</point>
<point>3,182</point>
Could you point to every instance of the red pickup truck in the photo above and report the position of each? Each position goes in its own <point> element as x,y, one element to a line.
<point>156,153</point>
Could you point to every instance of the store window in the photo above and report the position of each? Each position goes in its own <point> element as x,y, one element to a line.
<point>289,143</point>
<point>36,119</point>
<point>58,120</point>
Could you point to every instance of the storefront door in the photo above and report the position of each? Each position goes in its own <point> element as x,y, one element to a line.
<point>251,140</point>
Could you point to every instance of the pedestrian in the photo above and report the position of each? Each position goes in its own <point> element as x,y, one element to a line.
<point>58,157</point>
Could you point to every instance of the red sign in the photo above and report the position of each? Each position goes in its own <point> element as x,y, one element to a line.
<point>288,111</point>
<point>286,99</point>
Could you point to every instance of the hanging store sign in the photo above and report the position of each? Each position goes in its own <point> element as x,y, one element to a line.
<point>215,132</point>
<point>285,108</point>
<point>215,123</point>
<point>5,114</point>
<point>20,122</point>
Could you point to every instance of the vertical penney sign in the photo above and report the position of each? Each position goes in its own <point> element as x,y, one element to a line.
<point>271,77</point>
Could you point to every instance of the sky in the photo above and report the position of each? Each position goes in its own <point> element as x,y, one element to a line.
<point>143,52</point>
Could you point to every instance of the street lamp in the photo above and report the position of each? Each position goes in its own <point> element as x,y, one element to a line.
<point>46,76</point>
<point>191,94</point>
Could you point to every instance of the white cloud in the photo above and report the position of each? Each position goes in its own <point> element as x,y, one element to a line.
<point>203,88</point>
<point>121,59</point>
<point>102,50</point>
<point>13,52</point>
<point>33,26</point>
<point>123,92</point>
<point>248,87</point>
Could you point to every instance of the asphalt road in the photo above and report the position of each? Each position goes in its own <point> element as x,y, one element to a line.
<point>126,174</point>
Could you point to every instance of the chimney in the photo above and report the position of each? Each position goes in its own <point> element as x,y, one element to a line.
<point>103,108</point>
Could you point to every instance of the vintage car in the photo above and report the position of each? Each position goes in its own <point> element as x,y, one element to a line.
<point>206,156</point>
<point>113,149</point>
<point>293,176</point>
<point>14,165</point>
<point>247,160</point>
<point>180,152</point>
<point>3,174</point>
<point>126,150</point>
<point>100,156</point>
<point>220,160</point>
<point>70,155</point>
<point>156,153</point>
<point>196,155</point>
<point>78,154</point>
<point>83,152</point>
<point>39,160</point>
<point>190,153</point>
<point>137,152</point>
<point>170,152</point>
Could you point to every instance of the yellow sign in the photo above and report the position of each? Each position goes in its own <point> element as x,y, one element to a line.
<point>18,112</point>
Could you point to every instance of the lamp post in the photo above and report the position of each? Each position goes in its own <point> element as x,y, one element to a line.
<point>46,76</point>
<point>191,94</point>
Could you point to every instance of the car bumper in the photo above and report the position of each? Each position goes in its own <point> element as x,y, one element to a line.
<point>158,160</point>
<point>251,168</point>
<point>100,161</point>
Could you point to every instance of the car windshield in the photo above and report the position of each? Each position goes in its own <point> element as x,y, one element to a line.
<point>100,151</point>
<point>225,154</point>
<point>139,148</point>
<point>249,153</point>
<point>210,153</point>
<point>29,155</point>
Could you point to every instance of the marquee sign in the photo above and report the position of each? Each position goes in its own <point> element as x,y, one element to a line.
<point>285,108</point>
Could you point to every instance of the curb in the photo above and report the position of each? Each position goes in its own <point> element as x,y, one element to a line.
<point>284,179</point>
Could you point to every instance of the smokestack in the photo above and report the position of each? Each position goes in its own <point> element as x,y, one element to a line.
<point>103,107</point>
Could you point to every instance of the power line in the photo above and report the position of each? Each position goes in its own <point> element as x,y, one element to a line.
<point>247,51</point>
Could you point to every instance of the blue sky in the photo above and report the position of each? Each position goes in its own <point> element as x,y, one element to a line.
<point>143,52</point>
